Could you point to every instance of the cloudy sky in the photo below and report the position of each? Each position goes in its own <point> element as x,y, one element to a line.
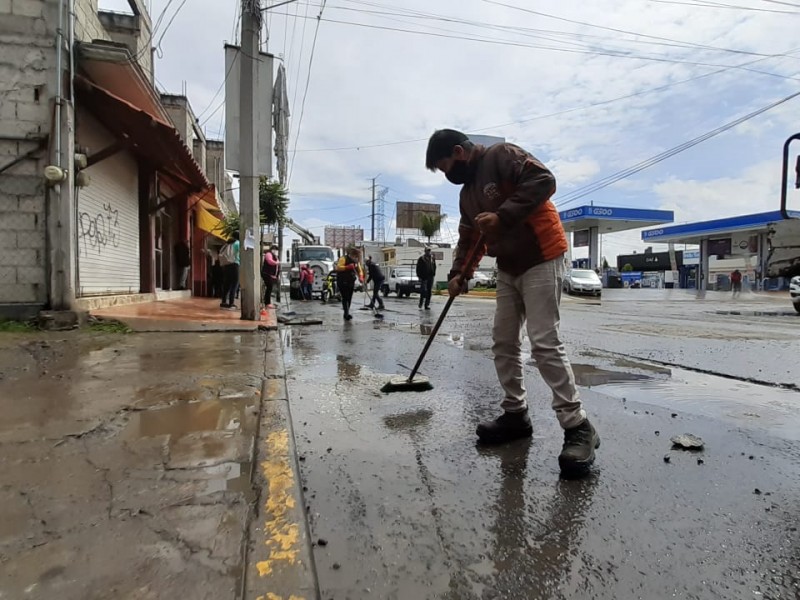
<point>590,88</point>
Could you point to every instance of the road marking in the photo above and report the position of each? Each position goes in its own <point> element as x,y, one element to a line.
<point>282,536</point>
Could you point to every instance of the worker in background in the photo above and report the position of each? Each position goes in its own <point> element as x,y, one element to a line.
<point>426,272</point>
<point>375,275</point>
<point>270,273</point>
<point>306,282</point>
<point>348,270</point>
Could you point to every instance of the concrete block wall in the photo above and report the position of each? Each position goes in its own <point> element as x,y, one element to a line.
<point>89,27</point>
<point>27,88</point>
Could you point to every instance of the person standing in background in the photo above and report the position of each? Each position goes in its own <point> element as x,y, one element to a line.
<point>230,260</point>
<point>306,282</point>
<point>270,273</point>
<point>426,271</point>
<point>183,260</point>
<point>375,275</point>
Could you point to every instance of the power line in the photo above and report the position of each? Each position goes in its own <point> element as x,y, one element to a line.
<point>169,24</point>
<point>496,42</point>
<point>576,22</point>
<point>726,6</point>
<point>220,88</point>
<point>544,116</point>
<point>305,92</point>
<point>658,40</point>
<point>645,164</point>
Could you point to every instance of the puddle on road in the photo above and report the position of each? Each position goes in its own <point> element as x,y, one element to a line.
<point>591,375</point>
<point>747,404</point>
<point>192,417</point>
<point>235,415</point>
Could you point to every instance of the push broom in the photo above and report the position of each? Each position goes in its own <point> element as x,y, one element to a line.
<point>422,384</point>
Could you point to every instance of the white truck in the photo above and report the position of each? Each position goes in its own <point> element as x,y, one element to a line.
<point>783,259</point>
<point>321,260</point>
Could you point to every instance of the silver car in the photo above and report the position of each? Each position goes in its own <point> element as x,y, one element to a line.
<point>583,281</point>
<point>794,292</point>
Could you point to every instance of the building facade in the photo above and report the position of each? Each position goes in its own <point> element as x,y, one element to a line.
<point>101,180</point>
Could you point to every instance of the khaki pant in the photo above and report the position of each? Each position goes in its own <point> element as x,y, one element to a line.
<point>535,294</point>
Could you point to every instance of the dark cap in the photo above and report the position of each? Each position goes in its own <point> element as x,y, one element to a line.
<point>441,145</point>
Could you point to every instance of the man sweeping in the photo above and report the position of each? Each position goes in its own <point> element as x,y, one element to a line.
<point>505,196</point>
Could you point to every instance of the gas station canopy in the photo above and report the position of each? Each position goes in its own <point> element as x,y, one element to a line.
<point>609,219</point>
<point>595,221</point>
<point>695,233</point>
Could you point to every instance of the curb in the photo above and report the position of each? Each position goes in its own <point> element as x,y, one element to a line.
<point>757,313</point>
<point>280,564</point>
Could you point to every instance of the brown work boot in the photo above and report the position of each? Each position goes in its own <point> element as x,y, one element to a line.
<point>579,445</point>
<point>505,428</point>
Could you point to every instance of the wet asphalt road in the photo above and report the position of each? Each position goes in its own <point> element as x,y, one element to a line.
<point>403,504</point>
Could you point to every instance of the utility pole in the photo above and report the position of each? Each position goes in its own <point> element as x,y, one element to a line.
<point>372,237</point>
<point>374,179</point>
<point>248,171</point>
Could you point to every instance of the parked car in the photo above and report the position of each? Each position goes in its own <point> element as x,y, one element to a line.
<point>481,280</point>
<point>583,281</point>
<point>794,292</point>
<point>402,281</point>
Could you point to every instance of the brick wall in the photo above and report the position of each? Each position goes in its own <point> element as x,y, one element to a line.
<point>27,85</point>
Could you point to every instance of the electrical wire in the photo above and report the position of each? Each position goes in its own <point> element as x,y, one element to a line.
<point>726,6</point>
<point>220,88</point>
<point>169,24</point>
<point>653,160</point>
<point>305,92</point>
<point>299,60</point>
<point>491,41</point>
<point>544,116</point>
<point>657,40</point>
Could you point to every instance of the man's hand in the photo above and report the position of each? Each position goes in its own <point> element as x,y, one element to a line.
<point>488,223</point>
<point>455,286</point>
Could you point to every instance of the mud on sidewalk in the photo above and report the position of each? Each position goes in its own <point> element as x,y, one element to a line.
<point>126,462</point>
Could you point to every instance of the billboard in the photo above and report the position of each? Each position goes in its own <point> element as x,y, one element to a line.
<point>580,239</point>
<point>343,237</point>
<point>408,213</point>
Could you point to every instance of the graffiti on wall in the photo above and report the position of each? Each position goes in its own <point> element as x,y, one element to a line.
<point>99,231</point>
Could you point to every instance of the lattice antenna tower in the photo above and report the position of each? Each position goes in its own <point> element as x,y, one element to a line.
<point>380,216</point>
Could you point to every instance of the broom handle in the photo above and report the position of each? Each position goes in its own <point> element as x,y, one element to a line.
<point>432,336</point>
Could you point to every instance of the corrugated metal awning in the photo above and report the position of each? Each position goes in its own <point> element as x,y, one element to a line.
<point>152,139</point>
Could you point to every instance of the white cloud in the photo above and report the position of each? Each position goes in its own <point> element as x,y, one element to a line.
<point>374,86</point>
<point>757,189</point>
<point>569,173</point>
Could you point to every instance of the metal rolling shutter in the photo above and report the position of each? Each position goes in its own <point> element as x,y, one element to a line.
<point>108,222</point>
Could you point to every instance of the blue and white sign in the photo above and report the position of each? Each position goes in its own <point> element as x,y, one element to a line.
<point>631,277</point>
<point>616,214</point>
<point>691,257</point>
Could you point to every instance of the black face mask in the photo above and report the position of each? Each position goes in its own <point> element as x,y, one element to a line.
<point>460,173</point>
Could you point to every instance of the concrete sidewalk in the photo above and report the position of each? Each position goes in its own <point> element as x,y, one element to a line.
<point>128,468</point>
<point>184,314</point>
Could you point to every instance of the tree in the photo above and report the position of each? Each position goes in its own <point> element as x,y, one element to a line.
<point>605,264</point>
<point>429,224</point>
<point>273,201</point>
<point>228,225</point>
<point>627,268</point>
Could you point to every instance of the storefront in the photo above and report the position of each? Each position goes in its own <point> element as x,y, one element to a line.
<point>134,211</point>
